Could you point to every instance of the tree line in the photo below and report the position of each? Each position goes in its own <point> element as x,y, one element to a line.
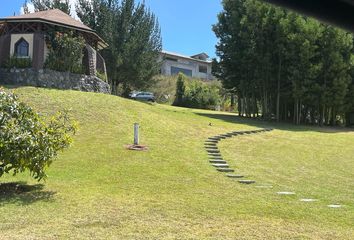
<point>132,32</point>
<point>284,66</point>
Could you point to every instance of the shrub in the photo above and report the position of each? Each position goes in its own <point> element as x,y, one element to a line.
<point>65,53</point>
<point>164,88</point>
<point>196,93</point>
<point>180,90</point>
<point>16,62</point>
<point>27,142</point>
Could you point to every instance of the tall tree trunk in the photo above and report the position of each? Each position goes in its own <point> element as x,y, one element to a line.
<point>333,117</point>
<point>322,115</point>
<point>278,91</point>
<point>299,113</point>
<point>255,108</point>
<point>239,105</point>
<point>232,101</point>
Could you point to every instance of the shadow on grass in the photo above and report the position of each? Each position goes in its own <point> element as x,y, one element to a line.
<point>233,118</point>
<point>23,194</point>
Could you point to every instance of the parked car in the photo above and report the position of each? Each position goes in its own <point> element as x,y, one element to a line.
<point>143,96</point>
<point>133,94</point>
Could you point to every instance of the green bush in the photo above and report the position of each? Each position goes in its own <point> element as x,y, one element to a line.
<point>180,90</point>
<point>27,142</point>
<point>16,62</point>
<point>196,93</point>
<point>164,88</point>
<point>65,53</point>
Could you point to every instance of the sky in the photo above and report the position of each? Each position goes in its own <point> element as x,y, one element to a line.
<point>186,25</point>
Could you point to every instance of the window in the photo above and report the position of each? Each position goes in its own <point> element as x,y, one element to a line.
<point>176,70</point>
<point>21,48</point>
<point>203,69</point>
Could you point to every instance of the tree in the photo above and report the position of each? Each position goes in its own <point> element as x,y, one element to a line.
<point>133,34</point>
<point>65,52</point>
<point>180,89</point>
<point>42,5</point>
<point>25,8</point>
<point>26,141</point>
<point>283,65</point>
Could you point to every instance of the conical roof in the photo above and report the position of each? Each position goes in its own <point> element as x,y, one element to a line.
<point>54,17</point>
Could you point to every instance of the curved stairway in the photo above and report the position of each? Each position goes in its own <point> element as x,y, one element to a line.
<point>216,159</point>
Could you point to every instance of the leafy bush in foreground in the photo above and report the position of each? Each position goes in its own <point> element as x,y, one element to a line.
<point>26,141</point>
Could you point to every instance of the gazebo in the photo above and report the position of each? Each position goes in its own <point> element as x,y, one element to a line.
<point>24,36</point>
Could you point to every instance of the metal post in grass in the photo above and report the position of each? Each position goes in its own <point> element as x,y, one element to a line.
<point>136,133</point>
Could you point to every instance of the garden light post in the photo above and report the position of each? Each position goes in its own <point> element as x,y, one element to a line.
<point>136,133</point>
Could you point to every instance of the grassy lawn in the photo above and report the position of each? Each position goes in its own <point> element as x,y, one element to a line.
<point>99,190</point>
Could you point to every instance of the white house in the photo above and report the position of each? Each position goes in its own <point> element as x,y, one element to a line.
<point>198,66</point>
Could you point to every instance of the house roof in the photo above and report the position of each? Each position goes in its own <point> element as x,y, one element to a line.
<point>55,17</point>
<point>203,54</point>
<point>183,56</point>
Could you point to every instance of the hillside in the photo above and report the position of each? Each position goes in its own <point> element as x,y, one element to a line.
<point>99,190</point>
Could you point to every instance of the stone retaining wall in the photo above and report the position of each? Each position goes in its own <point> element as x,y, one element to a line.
<point>53,79</point>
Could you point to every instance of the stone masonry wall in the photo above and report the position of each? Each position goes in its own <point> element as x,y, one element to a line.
<point>53,79</point>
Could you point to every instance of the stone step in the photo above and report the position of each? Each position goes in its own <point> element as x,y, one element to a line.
<point>214,154</point>
<point>234,176</point>
<point>220,165</point>
<point>308,200</point>
<point>226,135</point>
<point>225,170</point>
<point>211,141</point>
<point>246,181</point>
<point>210,146</point>
<point>213,151</point>
<point>222,136</point>
<point>334,206</point>
<point>217,161</point>
<point>286,193</point>
<point>208,149</point>
<point>214,138</point>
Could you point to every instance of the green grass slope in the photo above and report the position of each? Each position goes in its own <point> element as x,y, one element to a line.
<point>98,190</point>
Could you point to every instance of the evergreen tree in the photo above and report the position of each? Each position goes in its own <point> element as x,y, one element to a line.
<point>180,90</point>
<point>292,67</point>
<point>133,34</point>
<point>25,8</point>
<point>42,5</point>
